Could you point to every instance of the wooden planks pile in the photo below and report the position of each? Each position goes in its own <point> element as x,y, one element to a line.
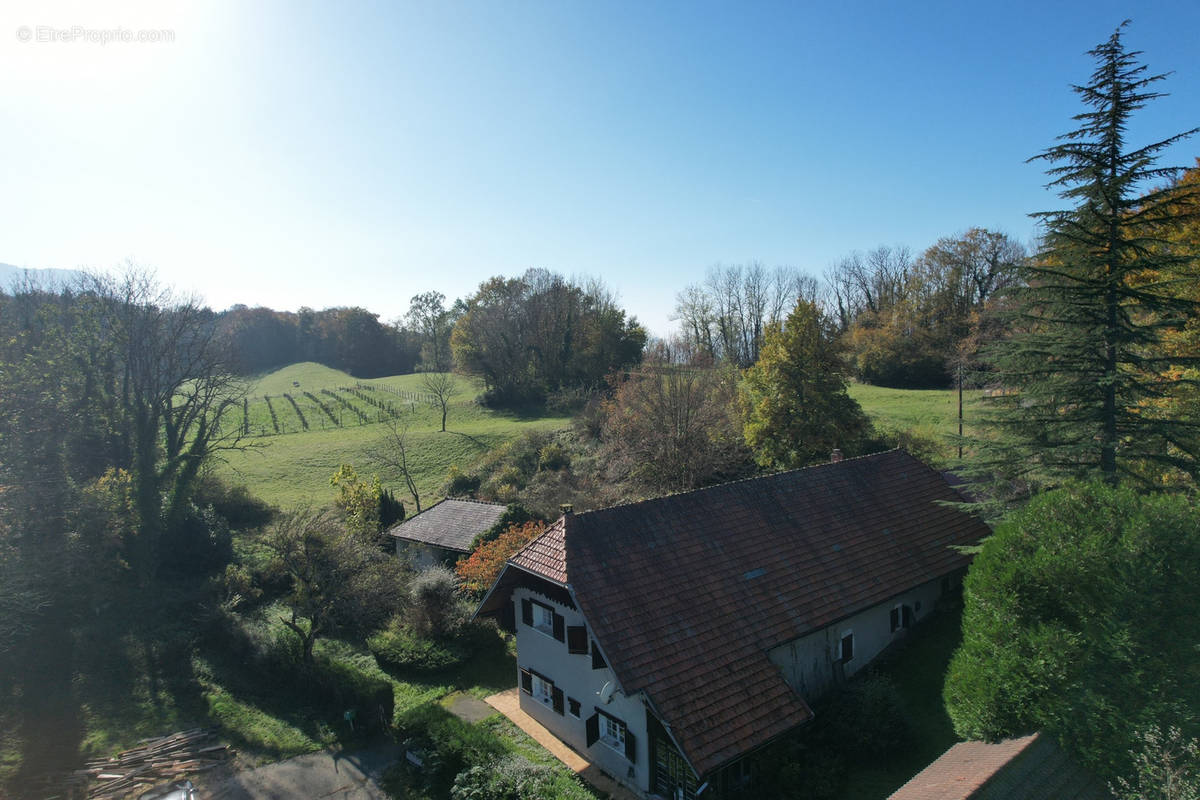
<point>154,761</point>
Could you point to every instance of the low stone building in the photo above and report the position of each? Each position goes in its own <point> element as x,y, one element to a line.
<point>442,533</point>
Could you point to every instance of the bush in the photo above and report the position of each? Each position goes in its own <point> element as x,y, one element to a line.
<point>553,457</point>
<point>448,745</point>
<point>400,647</point>
<point>515,777</point>
<point>867,718</point>
<point>436,607</point>
<point>461,484</point>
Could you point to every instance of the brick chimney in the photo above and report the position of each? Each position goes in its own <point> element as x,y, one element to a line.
<point>835,456</point>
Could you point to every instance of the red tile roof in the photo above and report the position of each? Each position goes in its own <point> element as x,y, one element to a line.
<point>1014,769</point>
<point>961,770</point>
<point>546,555</point>
<point>687,593</point>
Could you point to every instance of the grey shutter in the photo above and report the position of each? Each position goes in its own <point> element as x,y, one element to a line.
<point>508,617</point>
<point>630,746</point>
<point>895,619</point>
<point>526,681</point>
<point>577,642</point>
<point>556,700</point>
<point>598,661</point>
<point>908,615</point>
<point>527,611</point>
<point>593,729</point>
<point>560,627</point>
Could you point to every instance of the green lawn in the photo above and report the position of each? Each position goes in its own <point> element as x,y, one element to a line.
<point>294,468</point>
<point>919,671</point>
<point>929,414</point>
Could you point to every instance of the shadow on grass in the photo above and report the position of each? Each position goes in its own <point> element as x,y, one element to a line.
<point>918,670</point>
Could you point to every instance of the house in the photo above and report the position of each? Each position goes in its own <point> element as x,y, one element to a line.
<point>1015,769</point>
<point>443,532</point>
<point>667,639</point>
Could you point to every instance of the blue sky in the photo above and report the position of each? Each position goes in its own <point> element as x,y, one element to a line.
<point>318,154</point>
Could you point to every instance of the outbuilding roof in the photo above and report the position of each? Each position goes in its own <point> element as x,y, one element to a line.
<point>450,524</point>
<point>1012,769</point>
<point>686,594</point>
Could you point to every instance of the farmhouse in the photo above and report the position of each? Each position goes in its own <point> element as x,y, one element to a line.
<point>667,639</point>
<point>444,531</point>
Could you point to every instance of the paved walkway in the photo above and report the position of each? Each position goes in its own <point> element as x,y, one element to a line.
<point>328,775</point>
<point>508,704</point>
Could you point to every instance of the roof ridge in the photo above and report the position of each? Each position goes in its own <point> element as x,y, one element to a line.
<point>469,500</point>
<point>748,479</point>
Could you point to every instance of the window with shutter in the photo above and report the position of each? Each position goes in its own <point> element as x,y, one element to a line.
<point>630,747</point>
<point>847,646</point>
<point>907,619</point>
<point>556,699</point>
<point>895,619</point>
<point>527,611</point>
<point>614,733</point>
<point>573,707</point>
<point>526,681</point>
<point>577,641</point>
<point>557,626</point>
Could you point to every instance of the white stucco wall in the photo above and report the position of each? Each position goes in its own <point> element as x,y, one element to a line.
<point>573,674</point>
<point>807,663</point>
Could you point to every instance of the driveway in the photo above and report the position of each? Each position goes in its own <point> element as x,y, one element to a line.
<point>327,774</point>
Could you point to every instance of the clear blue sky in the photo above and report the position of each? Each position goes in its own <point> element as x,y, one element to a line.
<point>318,154</point>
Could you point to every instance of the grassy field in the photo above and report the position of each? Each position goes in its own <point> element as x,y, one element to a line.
<point>293,468</point>
<point>928,413</point>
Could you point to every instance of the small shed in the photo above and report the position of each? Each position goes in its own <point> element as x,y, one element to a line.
<point>443,532</point>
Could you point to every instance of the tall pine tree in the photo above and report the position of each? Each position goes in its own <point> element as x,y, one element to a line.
<point>1087,379</point>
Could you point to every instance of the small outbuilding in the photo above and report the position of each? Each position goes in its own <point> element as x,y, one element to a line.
<point>443,533</point>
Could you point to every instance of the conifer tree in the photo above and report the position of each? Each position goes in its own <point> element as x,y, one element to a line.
<point>1087,381</point>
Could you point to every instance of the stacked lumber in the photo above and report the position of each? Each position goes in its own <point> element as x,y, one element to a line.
<point>153,761</point>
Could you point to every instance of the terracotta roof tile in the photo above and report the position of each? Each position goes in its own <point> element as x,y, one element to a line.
<point>452,524</point>
<point>546,555</point>
<point>1013,769</point>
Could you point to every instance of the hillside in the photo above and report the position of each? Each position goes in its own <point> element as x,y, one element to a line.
<point>326,418</point>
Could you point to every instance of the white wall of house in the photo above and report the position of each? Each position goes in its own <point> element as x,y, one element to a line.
<point>541,653</point>
<point>808,663</point>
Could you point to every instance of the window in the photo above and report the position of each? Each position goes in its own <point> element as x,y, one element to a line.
<point>543,690</point>
<point>612,732</point>
<point>847,646</point>
<point>573,707</point>
<point>543,618</point>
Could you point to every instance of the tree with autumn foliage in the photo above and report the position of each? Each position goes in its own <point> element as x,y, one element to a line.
<point>479,570</point>
<point>795,407</point>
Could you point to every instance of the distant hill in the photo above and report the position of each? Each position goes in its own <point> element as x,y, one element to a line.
<point>42,278</point>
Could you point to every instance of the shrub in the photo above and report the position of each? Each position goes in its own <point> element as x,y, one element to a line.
<point>480,570</point>
<point>448,744</point>
<point>461,484</point>
<point>436,607</point>
<point>515,777</point>
<point>553,457</point>
<point>867,717</point>
<point>400,647</point>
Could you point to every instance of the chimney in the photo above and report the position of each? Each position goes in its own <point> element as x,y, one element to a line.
<point>835,456</point>
<point>566,509</point>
